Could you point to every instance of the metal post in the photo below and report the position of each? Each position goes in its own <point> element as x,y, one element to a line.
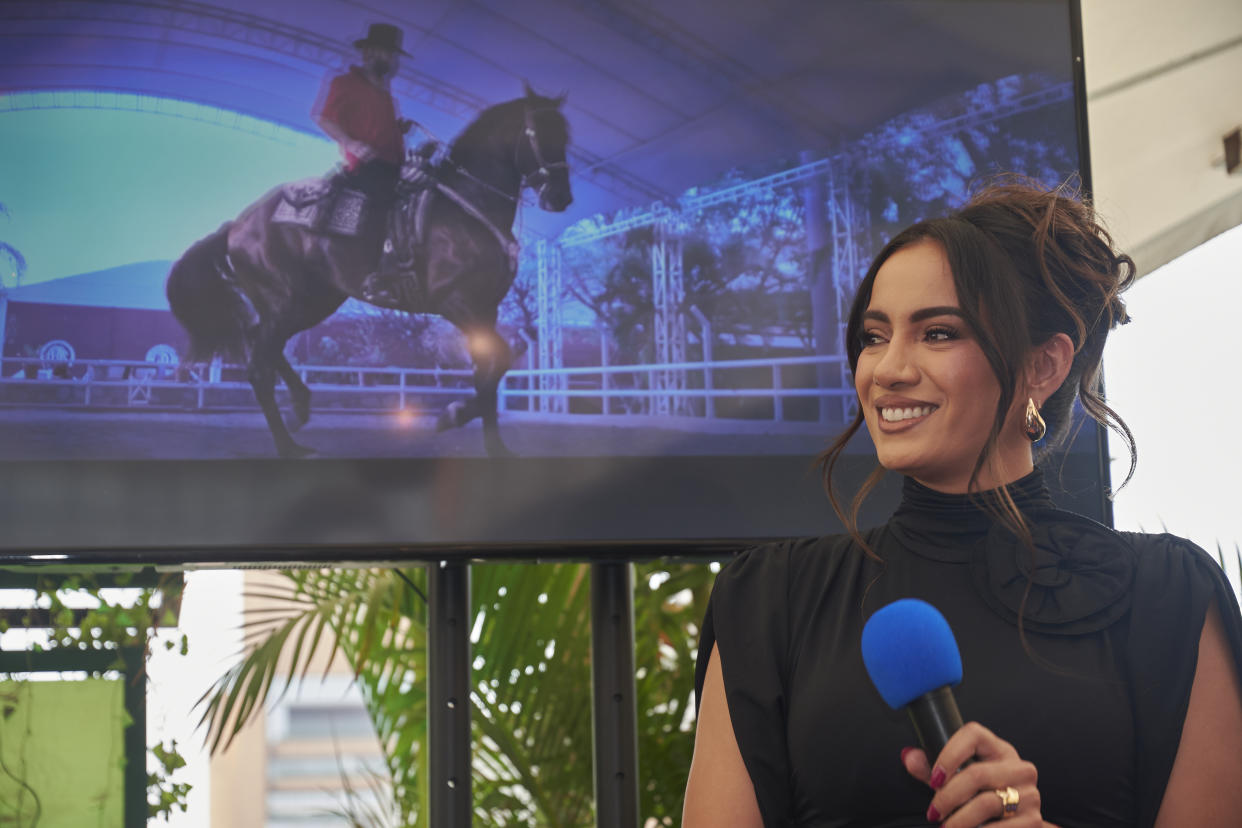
<point>532,361</point>
<point>778,399</point>
<point>135,693</point>
<point>614,697</point>
<point>448,693</point>
<point>823,300</point>
<point>709,385</point>
<point>603,363</point>
<point>559,381</point>
<point>659,298</point>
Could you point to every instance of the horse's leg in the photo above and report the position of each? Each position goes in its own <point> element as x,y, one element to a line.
<point>265,358</point>
<point>299,394</point>
<point>491,357</point>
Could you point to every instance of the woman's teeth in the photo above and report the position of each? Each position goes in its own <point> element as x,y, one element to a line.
<point>893,415</point>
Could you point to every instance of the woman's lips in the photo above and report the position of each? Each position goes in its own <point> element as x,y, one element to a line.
<point>894,418</point>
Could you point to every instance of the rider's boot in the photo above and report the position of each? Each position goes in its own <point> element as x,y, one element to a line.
<point>381,286</point>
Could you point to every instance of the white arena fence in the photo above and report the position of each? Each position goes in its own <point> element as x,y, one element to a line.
<point>745,388</point>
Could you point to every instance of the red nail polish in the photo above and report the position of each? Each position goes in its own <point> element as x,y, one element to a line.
<point>904,751</point>
<point>932,814</point>
<point>937,779</point>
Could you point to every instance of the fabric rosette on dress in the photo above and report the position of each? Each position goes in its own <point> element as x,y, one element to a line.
<point>1078,580</point>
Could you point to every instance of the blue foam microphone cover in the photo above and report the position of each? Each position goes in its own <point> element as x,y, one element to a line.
<point>910,651</point>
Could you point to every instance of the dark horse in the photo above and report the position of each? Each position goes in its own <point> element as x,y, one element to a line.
<point>246,289</point>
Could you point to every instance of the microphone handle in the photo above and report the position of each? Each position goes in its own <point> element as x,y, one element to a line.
<point>935,717</point>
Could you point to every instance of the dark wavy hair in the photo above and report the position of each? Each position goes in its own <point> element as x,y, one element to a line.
<point>1027,263</point>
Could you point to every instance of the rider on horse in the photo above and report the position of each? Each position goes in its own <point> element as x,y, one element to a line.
<point>359,113</point>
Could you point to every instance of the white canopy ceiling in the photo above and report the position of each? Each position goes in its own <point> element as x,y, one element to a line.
<point>1164,85</point>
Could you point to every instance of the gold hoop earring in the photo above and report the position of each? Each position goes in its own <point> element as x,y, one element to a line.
<point>1034,426</point>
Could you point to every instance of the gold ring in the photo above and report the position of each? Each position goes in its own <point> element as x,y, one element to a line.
<point>1009,801</point>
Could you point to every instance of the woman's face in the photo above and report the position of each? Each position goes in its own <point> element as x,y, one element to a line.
<point>927,392</point>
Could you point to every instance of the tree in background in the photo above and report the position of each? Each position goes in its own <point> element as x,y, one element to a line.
<point>910,168</point>
<point>531,677</point>
<point>381,336</point>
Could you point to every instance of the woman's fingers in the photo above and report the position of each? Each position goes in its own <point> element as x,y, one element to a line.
<point>972,741</point>
<point>968,797</point>
<point>965,789</point>
<point>916,764</point>
<point>987,807</point>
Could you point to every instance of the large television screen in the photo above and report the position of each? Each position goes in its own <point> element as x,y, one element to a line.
<point>600,304</point>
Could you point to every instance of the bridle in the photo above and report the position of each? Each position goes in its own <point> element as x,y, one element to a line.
<point>539,178</point>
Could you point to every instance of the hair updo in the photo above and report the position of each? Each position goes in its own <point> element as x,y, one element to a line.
<point>1027,263</point>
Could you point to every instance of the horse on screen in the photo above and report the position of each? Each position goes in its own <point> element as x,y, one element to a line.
<point>293,257</point>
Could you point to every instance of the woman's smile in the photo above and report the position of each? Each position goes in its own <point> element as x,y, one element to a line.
<point>897,416</point>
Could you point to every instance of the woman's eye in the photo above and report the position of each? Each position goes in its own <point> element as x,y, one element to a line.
<point>867,338</point>
<point>940,334</point>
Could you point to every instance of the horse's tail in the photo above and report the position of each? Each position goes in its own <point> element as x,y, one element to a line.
<point>204,300</point>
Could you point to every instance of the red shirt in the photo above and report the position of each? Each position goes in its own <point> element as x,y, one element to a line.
<point>365,112</point>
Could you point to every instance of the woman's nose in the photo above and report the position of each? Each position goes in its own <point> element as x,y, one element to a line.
<point>896,367</point>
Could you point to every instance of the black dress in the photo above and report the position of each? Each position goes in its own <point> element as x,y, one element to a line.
<point>1096,699</point>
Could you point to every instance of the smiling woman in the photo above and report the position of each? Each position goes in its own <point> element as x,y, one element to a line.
<point>926,389</point>
<point>1101,668</point>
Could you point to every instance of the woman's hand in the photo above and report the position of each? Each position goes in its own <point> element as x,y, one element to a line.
<point>973,795</point>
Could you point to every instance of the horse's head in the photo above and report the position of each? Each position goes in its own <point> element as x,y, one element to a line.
<point>541,157</point>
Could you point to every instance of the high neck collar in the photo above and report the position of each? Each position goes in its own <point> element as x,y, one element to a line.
<point>938,525</point>
<point>1027,492</point>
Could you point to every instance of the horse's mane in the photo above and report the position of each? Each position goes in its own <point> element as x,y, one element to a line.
<point>480,132</point>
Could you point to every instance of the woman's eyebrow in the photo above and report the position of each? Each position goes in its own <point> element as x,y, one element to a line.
<point>919,315</point>
<point>939,310</point>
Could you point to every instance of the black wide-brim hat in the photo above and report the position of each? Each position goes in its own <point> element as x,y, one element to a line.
<point>383,36</point>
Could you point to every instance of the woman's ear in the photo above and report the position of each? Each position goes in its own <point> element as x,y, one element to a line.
<point>1048,366</point>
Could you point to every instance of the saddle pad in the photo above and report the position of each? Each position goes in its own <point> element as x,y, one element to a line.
<point>341,216</point>
<point>347,213</point>
<point>307,191</point>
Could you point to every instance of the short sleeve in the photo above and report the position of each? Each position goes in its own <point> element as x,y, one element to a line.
<point>747,620</point>
<point>1175,583</point>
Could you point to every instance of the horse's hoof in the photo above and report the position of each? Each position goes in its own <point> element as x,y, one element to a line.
<point>301,415</point>
<point>295,451</point>
<point>453,416</point>
<point>499,451</point>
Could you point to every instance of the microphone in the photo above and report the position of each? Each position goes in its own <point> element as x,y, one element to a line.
<point>913,660</point>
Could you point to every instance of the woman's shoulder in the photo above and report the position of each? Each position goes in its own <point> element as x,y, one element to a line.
<point>793,557</point>
<point>1164,545</point>
<point>789,568</point>
<point>1165,562</point>
<point>1157,560</point>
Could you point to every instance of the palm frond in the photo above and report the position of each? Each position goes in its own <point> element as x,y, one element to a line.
<point>14,255</point>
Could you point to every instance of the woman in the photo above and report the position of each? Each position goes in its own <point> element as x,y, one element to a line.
<point>1102,679</point>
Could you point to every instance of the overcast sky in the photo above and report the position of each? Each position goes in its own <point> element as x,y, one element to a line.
<point>1175,376</point>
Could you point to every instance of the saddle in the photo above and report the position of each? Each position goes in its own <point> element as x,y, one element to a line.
<point>328,205</point>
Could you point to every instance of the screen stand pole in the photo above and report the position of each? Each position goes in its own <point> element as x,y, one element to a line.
<point>448,697</point>
<point>614,698</point>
